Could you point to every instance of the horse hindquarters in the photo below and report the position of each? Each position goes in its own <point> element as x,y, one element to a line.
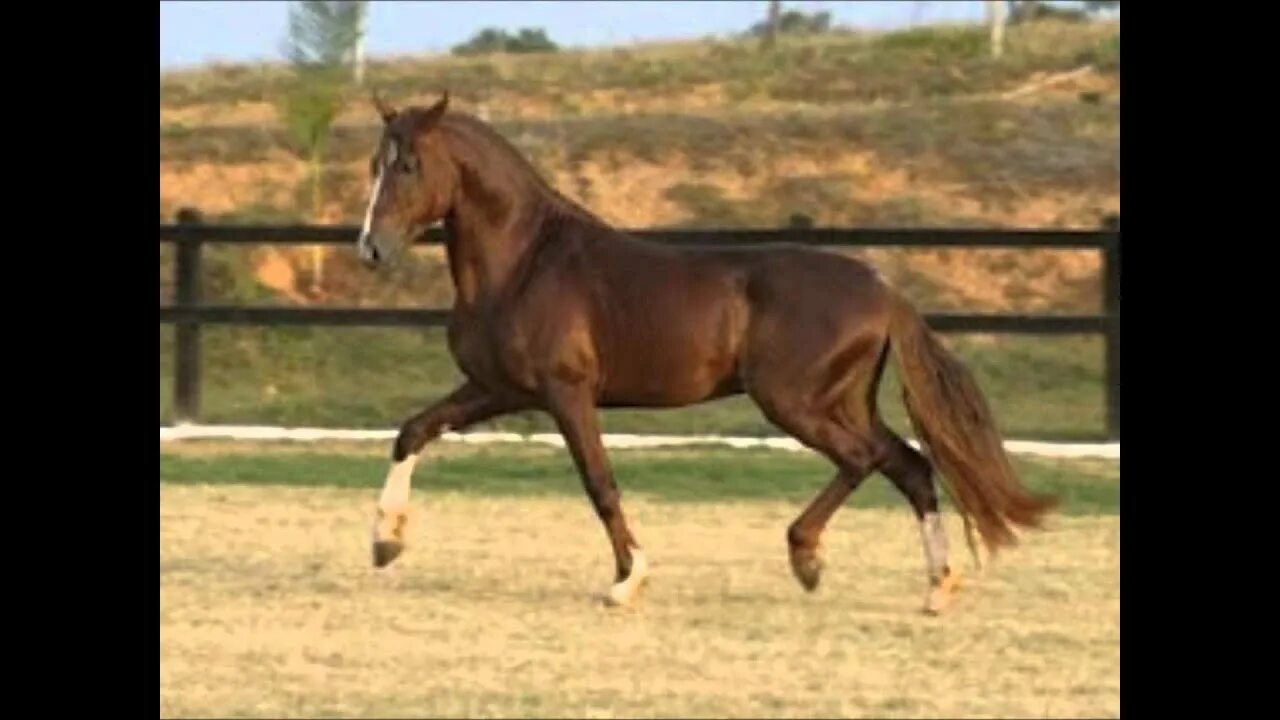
<point>813,365</point>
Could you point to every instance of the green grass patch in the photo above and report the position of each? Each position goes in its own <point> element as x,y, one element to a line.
<point>679,475</point>
<point>1039,387</point>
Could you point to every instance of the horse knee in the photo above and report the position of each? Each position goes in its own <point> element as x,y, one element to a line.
<point>414,435</point>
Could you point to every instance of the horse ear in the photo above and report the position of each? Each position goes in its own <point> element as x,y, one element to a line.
<point>435,112</point>
<point>387,112</point>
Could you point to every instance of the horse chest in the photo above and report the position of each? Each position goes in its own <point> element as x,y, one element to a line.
<point>481,347</point>
<point>470,346</point>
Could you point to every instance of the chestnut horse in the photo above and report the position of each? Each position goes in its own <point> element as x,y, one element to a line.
<point>557,311</point>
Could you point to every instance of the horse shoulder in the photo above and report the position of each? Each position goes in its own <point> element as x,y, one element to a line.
<point>542,332</point>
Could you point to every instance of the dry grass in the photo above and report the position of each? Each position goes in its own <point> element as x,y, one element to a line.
<point>268,607</point>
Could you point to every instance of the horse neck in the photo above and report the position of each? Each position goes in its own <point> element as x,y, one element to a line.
<point>500,213</point>
<point>485,248</point>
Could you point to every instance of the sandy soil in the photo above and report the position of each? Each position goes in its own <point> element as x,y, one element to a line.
<point>268,607</point>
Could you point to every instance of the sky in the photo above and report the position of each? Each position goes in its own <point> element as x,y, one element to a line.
<point>195,33</point>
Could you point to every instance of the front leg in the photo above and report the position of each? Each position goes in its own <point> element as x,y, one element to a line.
<point>465,406</point>
<point>573,408</point>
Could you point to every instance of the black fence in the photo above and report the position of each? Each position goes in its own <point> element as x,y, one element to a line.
<point>188,313</point>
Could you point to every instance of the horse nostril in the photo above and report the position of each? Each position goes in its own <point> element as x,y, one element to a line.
<point>369,253</point>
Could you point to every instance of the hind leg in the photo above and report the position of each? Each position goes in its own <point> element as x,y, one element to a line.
<point>804,536</point>
<point>915,463</point>
<point>827,405</point>
<point>912,474</point>
<point>852,449</point>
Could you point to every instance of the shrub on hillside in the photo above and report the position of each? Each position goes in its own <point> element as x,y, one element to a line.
<point>1025,11</point>
<point>795,22</point>
<point>493,40</point>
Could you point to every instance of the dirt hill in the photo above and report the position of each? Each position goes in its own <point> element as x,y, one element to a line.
<point>913,128</point>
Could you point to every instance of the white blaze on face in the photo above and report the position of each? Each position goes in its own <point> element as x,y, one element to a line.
<point>373,200</point>
<point>377,191</point>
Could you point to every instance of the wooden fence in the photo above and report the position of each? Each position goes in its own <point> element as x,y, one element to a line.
<point>188,313</point>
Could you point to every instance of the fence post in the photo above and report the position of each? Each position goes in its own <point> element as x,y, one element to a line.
<point>186,371</point>
<point>1111,307</point>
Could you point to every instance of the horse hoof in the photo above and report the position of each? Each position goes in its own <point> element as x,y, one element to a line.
<point>623,592</point>
<point>388,536</point>
<point>941,594</point>
<point>807,566</point>
<point>385,551</point>
<point>618,596</point>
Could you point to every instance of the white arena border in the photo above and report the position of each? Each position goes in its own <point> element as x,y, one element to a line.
<point>1107,451</point>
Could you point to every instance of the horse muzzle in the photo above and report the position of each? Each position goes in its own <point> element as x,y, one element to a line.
<point>369,254</point>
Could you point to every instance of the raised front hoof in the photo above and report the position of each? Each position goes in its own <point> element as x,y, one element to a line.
<point>942,593</point>
<point>807,566</point>
<point>388,536</point>
<point>386,551</point>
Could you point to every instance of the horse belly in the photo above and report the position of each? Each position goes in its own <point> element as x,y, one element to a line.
<point>671,360</point>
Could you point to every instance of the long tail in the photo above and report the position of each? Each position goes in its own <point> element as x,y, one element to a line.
<point>956,427</point>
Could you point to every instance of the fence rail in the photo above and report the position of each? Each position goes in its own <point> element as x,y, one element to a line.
<point>188,313</point>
